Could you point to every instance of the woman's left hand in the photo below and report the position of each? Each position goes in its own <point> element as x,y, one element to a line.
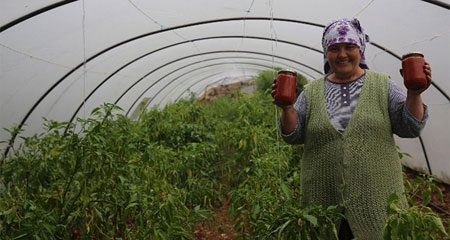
<point>427,70</point>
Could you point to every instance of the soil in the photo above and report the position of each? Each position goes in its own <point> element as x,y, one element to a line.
<point>222,226</point>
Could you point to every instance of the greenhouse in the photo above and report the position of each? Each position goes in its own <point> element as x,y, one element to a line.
<point>140,119</point>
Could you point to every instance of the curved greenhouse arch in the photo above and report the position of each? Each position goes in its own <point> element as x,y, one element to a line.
<point>174,28</point>
<point>62,3</point>
<point>142,36</point>
<point>190,71</point>
<point>184,42</point>
<point>55,64</point>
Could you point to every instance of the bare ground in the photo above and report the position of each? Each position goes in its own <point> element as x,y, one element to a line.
<point>221,227</point>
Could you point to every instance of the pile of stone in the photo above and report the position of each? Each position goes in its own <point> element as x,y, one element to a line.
<point>213,92</point>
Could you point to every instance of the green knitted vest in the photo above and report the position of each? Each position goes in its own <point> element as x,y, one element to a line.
<point>357,169</point>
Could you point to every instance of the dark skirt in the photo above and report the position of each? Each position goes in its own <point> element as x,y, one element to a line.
<point>345,233</point>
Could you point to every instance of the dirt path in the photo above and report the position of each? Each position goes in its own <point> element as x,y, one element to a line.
<point>220,228</point>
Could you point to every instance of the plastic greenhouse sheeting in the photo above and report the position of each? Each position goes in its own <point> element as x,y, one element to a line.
<point>60,59</point>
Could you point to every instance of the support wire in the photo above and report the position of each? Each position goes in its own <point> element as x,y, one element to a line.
<point>273,37</point>
<point>84,59</point>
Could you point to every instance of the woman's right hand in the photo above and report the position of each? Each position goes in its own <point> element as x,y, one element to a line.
<point>283,105</point>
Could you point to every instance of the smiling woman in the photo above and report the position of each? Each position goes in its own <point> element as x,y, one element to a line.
<point>352,162</point>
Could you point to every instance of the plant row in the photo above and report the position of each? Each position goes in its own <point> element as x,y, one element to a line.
<point>108,177</point>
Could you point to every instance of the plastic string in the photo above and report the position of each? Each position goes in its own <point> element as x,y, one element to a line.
<point>244,24</point>
<point>83,26</point>
<point>273,37</point>
<point>57,64</point>
<point>84,59</point>
<point>250,8</point>
<point>430,38</point>
<point>145,14</point>
<point>160,25</point>
<point>364,8</point>
<point>34,57</point>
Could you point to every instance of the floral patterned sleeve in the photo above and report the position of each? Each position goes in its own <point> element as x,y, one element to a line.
<point>298,135</point>
<point>404,124</point>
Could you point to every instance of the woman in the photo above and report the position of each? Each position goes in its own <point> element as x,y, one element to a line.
<point>346,121</point>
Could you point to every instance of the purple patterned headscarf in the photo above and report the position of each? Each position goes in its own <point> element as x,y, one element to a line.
<point>344,31</point>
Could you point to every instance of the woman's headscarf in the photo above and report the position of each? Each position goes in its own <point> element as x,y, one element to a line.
<point>344,31</point>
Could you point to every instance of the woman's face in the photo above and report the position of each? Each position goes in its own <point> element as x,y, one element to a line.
<point>344,58</point>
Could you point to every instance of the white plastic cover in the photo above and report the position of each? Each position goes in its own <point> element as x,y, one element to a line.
<point>60,59</point>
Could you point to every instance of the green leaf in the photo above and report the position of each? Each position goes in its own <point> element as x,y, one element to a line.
<point>426,196</point>
<point>311,219</point>
<point>238,226</point>
<point>281,229</point>
<point>439,192</point>
<point>20,236</point>
<point>438,224</point>
<point>10,215</point>
<point>131,205</point>
<point>407,154</point>
<point>49,228</point>
<point>197,208</point>
<point>122,179</point>
<point>286,191</point>
<point>393,197</point>
<point>404,229</point>
<point>335,232</point>
<point>99,214</point>
<point>255,211</point>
